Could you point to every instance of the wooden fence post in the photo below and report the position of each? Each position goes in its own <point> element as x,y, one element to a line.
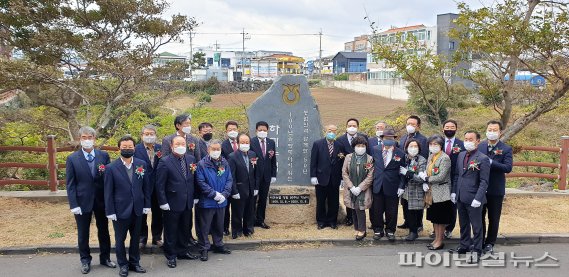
<point>52,163</point>
<point>563,160</point>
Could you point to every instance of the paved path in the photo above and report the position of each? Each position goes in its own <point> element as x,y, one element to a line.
<point>326,261</point>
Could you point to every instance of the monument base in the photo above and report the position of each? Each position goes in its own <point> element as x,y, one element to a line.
<point>293,211</point>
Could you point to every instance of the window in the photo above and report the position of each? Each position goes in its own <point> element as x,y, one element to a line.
<point>451,45</point>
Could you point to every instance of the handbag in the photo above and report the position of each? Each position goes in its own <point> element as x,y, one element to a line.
<point>428,198</point>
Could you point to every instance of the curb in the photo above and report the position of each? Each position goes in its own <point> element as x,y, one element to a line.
<point>255,244</point>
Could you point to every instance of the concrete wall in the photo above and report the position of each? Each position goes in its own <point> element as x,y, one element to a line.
<point>393,89</point>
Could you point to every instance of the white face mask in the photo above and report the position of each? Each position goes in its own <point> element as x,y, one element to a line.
<point>378,133</point>
<point>413,151</point>
<point>262,134</point>
<point>232,134</point>
<point>87,144</point>
<point>411,129</point>
<point>149,139</point>
<point>244,147</point>
<point>215,154</point>
<point>187,130</point>
<point>493,135</point>
<point>360,150</point>
<point>352,130</point>
<point>180,150</point>
<point>435,149</point>
<point>469,145</point>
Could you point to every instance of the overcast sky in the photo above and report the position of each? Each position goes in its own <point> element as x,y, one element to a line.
<point>279,24</point>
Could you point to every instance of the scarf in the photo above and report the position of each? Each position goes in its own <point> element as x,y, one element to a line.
<point>357,175</point>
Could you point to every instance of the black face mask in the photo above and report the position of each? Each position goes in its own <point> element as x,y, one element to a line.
<point>449,133</point>
<point>207,136</point>
<point>127,153</point>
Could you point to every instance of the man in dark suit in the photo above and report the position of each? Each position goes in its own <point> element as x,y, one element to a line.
<point>183,128</point>
<point>388,185</point>
<point>205,132</point>
<point>326,175</point>
<point>243,164</point>
<point>345,141</point>
<point>469,194</point>
<point>175,186</point>
<point>453,147</point>
<point>265,149</point>
<point>85,171</point>
<point>127,198</point>
<point>150,152</point>
<point>413,127</point>
<point>380,126</point>
<point>183,124</point>
<point>501,162</point>
<point>229,146</point>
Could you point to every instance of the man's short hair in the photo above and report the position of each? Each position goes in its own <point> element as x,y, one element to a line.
<point>212,142</point>
<point>87,130</point>
<point>148,127</point>
<point>126,138</point>
<point>231,122</point>
<point>416,118</point>
<point>261,123</point>
<point>353,119</point>
<point>181,118</point>
<point>450,121</point>
<point>204,125</point>
<point>473,132</point>
<point>492,122</point>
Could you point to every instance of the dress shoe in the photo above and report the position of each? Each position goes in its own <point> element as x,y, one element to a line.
<point>334,226</point>
<point>171,263</point>
<point>158,243</point>
<point>391,237</point>
<point>187,256</point>
<point>203,255</point>
<point>378,235</point>
<point>85,268</point>
<point>226,232</point>
<point>431,247</point>
<point>448,235</point>
<point>109,263</point>
<point>489,248</point>
<point>349,222</point>
<point>221,250</point>
<point>412,236</point>
<point>193,241</point>
<point>321,226</point>
<point>123,271</point>
<point>264,226</point>
<point>137,268</point>
<point>403,226</point>
<point>458,250</point>
<point>361,237</point>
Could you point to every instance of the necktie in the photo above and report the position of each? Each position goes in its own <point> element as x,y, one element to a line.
<point>183,165</point>
<point>490,148</point>
<point>466,160</point>
<point>263,148</point>
<point>350,139</point>
<point>330,148</point>
<point>448,147</point>
<point>385,161</point>
<point>234,143</point>
<point>90,158</point>
<point>246,159</point>
<point>150,155</point>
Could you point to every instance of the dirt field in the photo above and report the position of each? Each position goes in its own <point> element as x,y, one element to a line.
<point>336,105</point>
<point>29,223</point>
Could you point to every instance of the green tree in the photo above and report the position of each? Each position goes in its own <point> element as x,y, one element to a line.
<point>105,46</point>
<point>512,36</point>
<point>198,60</point>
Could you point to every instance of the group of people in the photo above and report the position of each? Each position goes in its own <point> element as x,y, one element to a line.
<point>186,182</point>
<point>442,174</point>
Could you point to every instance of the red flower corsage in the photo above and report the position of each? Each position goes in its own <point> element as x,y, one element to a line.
<point>368,167</point>
<point>498,152</point>
<point>436,171</point>
<point>159,154</point>
<point>341,155</point>
<point>473,165</point>
<point>220,171</point>
<point>271,154</point>
<point>101,168</point>
<point>414,168</point>
<point>192,146</point>
<point>456,149</point>
<point>139,171</point>
<point>397,158</point>
<point>254,162</point>
<point>193,167</point>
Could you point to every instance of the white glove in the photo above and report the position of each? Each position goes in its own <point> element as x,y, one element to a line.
<point>425,187</point>
<point>453,198</point>
<point>165,207</point>
<point>475,203</point>
<point>400,192</point>
<point>221,200</point>
<point>196,201</point>
<point>217,196</point>
<point>342,184</point>
<point>112,217</point>
<point>76,211</point>
<point>314,181</point>
<point>402,170</point>
<point>255,192</point>
<point>273,180</point>
<point>146,210</point>
<point>423,175</point>
<point>356,191</point>
<point>236,196</point>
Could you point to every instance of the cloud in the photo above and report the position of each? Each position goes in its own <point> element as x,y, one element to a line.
<point>268,22</point>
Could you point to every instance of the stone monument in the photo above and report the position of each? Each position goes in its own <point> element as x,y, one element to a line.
<point>294,124</point>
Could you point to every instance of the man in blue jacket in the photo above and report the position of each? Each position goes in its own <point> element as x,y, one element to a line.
<point>214,180</point>
<point>127,198</point>
<point>85,171</point>
<point>150,152</point>
<point>175,187</point>
<point>388,185</point>
<point>453,147</point>
<point>501,162</point>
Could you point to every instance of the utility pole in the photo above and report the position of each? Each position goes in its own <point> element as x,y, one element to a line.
<point>191,53</point>
<point>320,53</point>
<point>243,55</point>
